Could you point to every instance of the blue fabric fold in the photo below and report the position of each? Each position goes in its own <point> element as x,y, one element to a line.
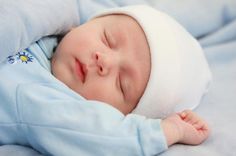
<point>23,22</point>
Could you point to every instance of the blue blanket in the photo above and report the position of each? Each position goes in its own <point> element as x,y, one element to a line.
<point>213,22</point>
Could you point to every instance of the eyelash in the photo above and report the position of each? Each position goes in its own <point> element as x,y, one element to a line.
<point>120,85</point>
<point>106,40</point>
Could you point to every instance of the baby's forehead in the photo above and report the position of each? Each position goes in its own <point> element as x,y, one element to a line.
<point>123,22</point>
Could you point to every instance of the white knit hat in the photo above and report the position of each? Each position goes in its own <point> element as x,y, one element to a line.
<point>179,75</point>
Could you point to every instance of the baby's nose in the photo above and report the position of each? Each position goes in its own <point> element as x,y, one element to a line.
<point>104,63</point>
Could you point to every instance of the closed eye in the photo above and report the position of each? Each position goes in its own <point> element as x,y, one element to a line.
<point>106,40</point>
<point>121,87</point>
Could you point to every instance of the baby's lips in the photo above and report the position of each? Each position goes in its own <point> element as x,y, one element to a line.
<point>81,70</point>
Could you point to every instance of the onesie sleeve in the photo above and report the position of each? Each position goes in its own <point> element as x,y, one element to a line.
<point>60,122</point>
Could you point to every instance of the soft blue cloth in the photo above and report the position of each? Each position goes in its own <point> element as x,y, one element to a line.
<point>198,17</point>
<point>23,22</point>
<point>11,150</point>
<point>38,110</point>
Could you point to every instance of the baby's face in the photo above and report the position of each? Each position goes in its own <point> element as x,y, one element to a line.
<point>106,59</point>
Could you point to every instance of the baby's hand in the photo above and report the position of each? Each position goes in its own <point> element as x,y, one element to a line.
<point>185,127</point>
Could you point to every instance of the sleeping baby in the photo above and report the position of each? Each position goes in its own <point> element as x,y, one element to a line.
<point>121,84</point>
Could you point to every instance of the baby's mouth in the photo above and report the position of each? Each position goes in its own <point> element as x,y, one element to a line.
<point>81,70</point>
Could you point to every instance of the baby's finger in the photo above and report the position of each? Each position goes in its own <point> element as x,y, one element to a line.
<point>201,125</point>
<point>198,125</point>
<point>188,115</point>
<point>182,115</point>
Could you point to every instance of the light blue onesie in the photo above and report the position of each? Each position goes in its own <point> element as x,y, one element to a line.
<point>38,110</point>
